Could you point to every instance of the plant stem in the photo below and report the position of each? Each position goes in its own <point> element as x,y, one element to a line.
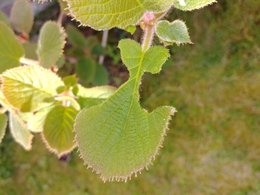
<point>148,37</point>
<point>29,62</point>
<point>104,44</point>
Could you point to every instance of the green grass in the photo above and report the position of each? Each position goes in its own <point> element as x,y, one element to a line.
<point>213,144</point>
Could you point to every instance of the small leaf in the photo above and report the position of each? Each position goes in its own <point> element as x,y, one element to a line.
<point>30,88</point>
<point>10,49</point>
<point>22,16</point>
<point>104,14</point>
<point>175,32</point>
<point>20,132</point>
<point>118,138</point>
<point>58,129</point>
<point>132,53</point>
<point>3,124</point>
<point>188,5</point>
<point>51,44</point>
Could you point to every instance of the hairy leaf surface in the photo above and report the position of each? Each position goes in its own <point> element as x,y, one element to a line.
<point>10,49</point>
<point>30,88</point>
<point>106,14</point>
<point>175,32</point>
<point>19,131</point>
<point>22,16</point>
<point>88,97</point>
<point>51,44</point>
<point>188,5</point>
<point>118,137</point>
<point>58,129</point>
<point>3,124</point>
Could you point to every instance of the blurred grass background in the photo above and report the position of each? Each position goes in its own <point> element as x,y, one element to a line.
<point>213,145</point>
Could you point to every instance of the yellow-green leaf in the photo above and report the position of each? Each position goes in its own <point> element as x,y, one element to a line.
<point>10,49</point>
<point>106,14</point>
<point>188,5</point>
<point>58,129</point>
<point>30,88</point>
<point>20,132</point>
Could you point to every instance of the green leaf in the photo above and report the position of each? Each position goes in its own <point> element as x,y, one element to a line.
<point>3,124</point>
<point>58,129</point>
<point>22,16</point>
<point>30,88</point>
<point>154,59</point>
<point>4,18</point>
<point>85,70</point>
<point>101,76</point>
<point>10,49</point>
<point>118,138</point>
<point>51,44</point>
<point>88,97</point>
<point>188,5</point>
<point>20,132</point>
<point>106,14</point>
<point>175,32</point>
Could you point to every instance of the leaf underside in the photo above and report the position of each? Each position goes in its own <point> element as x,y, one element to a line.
<point>106,14</point>
<point>20,132</point>
<point>118,137</point>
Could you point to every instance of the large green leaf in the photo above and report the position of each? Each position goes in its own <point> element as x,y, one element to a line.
<point>118,138</point>
<point>51,44</point>
<point>22,16</point>
<point>3,124</point>
<point>175,32</point>
<point>106,14</point>
<point>30,88</point>
<point>58,129</point>
<point>19,131</point>
<point>10,49</point>
<point>188,5</point>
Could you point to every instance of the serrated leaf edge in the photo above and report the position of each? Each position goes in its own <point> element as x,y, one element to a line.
<point>137,169</point>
